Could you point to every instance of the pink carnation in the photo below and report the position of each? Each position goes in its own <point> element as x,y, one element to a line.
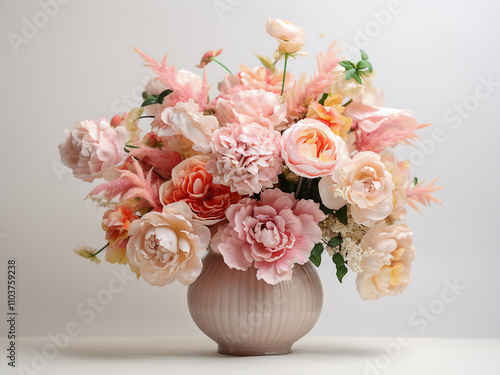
<point>272,234</point>
<point>92,148</point>
<point>246,157</point>
<point>247,106</point>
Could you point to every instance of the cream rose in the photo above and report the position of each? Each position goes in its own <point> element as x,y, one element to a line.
<point>289,36</point>
<point>165,245</point>
<point>311,149</point>
<point>386,272</point>
<point>366,92</point>
<point>364,183</point>
<point>186,119</point>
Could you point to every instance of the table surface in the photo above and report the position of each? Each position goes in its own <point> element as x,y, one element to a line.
<point>311,356</point>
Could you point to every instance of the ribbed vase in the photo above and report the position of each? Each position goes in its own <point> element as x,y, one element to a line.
<point>246,316</point>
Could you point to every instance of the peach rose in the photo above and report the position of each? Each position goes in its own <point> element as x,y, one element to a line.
<point>310,149</point>
<point>165,245</point>
<point>249,106</point>
<point>386,272</point>
<point>289,36</point>
<point>186,119</point>
<point>92,148</point>
<point>192,184</point>
<point>400,172</point>
<point>116,223</point>
<point>364,183</point>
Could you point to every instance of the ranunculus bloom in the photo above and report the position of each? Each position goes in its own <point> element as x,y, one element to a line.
<point>191,183</point>
<point>289,36</point>
<point>116,223</point>
<point>258,78</point>
<point>245,157</point>
<point>207,57</point>
<point>386,272</point>
<point>364,183</point>
<point>247,106</point>
<point>272,234</point>
<point>92,148</point>
<point>311,149</point>
<point>350,88</point>
<point>330,114</point>
<point>165,245</point>
<point>186,119</point>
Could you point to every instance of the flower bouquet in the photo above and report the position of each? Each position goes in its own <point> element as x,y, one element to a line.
<point>272,172</point>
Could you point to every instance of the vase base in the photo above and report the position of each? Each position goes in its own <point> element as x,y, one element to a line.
<point>252,352</point>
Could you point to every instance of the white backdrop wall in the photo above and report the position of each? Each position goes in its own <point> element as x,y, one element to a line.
<point>438,58</point>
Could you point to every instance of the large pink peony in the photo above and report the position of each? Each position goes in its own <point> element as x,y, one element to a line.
<point>92,148</point>
<point>247,106</point>
<point>364,183</point>
<point>386,272</point>
<point>245,157</point>
<point>272,234</point>
<point>165,245</point>
<point>311,149</point>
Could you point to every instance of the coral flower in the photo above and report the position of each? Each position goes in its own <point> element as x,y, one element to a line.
<point>207,57</point>
<point>330,114</point>
<point>191,183</point>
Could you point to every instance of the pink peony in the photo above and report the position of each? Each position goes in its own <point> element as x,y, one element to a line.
<point>386,272</point>
<point>246,157</point>
<point>247,106</point>
<point>192,184</point>
<point>165,245</point>
<point>311,149</point>
<point>364,183</point>
<point>92,148</point>
<point>272,234</point>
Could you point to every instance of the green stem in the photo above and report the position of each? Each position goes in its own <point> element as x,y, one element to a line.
<point>284,74</point>
<point>97,252</point>
<point>147,117</point>
<point>299,185</point>
<point>346,104</point>
<point>221,64</point>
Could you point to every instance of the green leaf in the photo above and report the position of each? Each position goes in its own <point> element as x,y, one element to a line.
<point>323,98</point>
<point>415,181</point>
<point>335,241</point>
<point>266,61</point>
<point>341,272</point>
<point>350,73</point>
<point>370,66</point>
<point>152,99</point>
<point>163,95</point>
<point>325,209</point>
<point>362,64</point>
<point>341,214</point>
<point>338,259</point>
<point>288,186</point>
<point>357,77</point>
<point>347,65</point>
<point>316,252</point>
<point>364,56</point>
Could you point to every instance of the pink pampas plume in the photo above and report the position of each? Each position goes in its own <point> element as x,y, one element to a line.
<point>421,194</point>
<point>144,186</point>
<point>110,190</point>
<point>168,75</point>
<point>162,160</point>
<point>318,84</point>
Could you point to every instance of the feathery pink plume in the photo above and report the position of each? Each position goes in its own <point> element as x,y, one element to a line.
<point>421,194</point>
<point>386,136</point>
<point>144,186</point>
<point>163,160</point>
<point>202,98</point>
<point>318,84</point>
<point>168,75</point>
<point>114,189</point>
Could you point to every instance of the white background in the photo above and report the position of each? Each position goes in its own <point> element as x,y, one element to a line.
<point>431,56</point>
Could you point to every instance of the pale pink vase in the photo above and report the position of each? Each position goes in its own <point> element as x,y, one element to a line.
<point>246,316</point>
